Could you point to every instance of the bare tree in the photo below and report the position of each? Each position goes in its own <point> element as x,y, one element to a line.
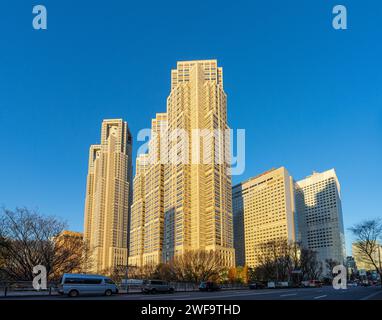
<point>330,264</point>
<point>310,267</point>
<point>71,254</point>
<point>197,265</point>
<point>367,234</point>
<point>29,239</point>
<point>276,260</point>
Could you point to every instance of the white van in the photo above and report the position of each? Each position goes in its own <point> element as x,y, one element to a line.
<point>74,285</point>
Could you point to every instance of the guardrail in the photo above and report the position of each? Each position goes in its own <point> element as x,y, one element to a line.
<point>25,288</point>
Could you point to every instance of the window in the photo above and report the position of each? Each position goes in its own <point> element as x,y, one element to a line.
<point>109,281</point>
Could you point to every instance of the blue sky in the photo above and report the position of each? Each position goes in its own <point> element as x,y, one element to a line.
<point>309,97</point>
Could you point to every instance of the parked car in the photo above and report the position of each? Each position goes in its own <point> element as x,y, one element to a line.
<point>74,285</point>
<point>282,284</point>
<point>365,283</point>
<point>352,284</point>
<point>311,284</point>
<point>256,285</point>
<point>209,286</point>
<point>156,286</point>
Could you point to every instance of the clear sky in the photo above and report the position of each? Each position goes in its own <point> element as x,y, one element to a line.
<point>309,97</point>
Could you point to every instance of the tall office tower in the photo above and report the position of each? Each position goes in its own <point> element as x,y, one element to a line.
<point>154,194</point>
<point>319,210</point>
<point>107,196</point>
<point>137,219</point>
<point>197,197</point>
<point>263,207</point>
<point>146,233</point>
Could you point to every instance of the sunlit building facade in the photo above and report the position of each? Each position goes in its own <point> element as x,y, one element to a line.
<point>264,211</point>
<point>107,197</point>
<point>363,261</point>
<point>137,219</point>
<point>320,222</point>
<point>187,202</point>
<point>197,196</point>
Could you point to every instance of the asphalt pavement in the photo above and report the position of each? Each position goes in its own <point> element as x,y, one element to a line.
<point>324,293</point>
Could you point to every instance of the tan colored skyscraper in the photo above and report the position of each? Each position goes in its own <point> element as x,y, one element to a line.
<point>154,193</point>
<point>137,221</point>
<point>146,231</point>
<point>197,197</point>
<point>264,211</point>
<point>107,196</point>
<point>187,204</point>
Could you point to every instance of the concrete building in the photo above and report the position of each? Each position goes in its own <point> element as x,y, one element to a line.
<point>363,262</point>
<point>107,196</point>
<point>187,203</point>
<point>154,195</point>
<point>71,242</point>
<point>137,220</point>
<point>197,196</point>
<point>264,211</point>
<point>319,211</point>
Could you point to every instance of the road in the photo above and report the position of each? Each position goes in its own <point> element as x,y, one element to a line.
<point>324,293</point>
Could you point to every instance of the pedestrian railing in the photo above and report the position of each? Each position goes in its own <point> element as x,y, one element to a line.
<point>24,288</point>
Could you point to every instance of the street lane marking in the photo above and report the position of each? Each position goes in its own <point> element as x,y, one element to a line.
<point>288,295</point>
<point>161,297</point>
<point>228,295</point>
<point>370,296</point>
<point>319,297</point>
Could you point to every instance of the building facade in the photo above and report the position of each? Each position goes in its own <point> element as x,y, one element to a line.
<point>137,219</point>
<point>363,262</point>
<point>107,197</point>
<point>197,192</point>
<point>320,222</point>
<point>187,203</point>
<point>264,211</point>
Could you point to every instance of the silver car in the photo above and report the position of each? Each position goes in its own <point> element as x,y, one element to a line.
<point>156,286</point>
<point>74,285</point>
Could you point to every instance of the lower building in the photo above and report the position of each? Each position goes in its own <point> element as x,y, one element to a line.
<point>263,211</point>
<point>363,262</point>
<point>320,222</point>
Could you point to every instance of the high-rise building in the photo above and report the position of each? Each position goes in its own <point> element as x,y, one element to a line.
<point>264,211</point>
<point>107,196</point>
<point>197,196</point>
<point>187,203</point>
<point>319,211</point>
<point>137,220</point>
<point>147,217</point>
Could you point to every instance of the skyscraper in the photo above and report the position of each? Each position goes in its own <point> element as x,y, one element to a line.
<point>197,196</point>
<point>264,211</point>
<point>319,211</point>
<point>187,201</point>
<point>137,221</point>
<point>107,196</point>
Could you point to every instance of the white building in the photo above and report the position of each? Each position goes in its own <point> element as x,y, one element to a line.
<point>319,211</point>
